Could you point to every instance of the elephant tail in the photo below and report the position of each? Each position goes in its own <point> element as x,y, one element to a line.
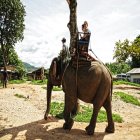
<point>111,89</point>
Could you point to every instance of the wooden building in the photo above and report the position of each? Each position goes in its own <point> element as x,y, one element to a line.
<point>12,74</point>
<point>36,75</point>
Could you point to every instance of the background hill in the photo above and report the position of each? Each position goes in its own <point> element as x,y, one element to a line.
<point>29,67</point>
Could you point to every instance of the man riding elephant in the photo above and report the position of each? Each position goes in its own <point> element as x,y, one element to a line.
<point>62,59</point>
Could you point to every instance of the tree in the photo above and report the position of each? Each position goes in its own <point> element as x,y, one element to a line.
<point>128,51</point>
<point>135,52</point>
<point>72,25</point>
<point>121,50</point>
<point>117,68</point>
<point>12,14</point>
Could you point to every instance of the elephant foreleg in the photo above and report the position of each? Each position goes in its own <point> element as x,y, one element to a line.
<point>107,105</point>
<point>69,106</point>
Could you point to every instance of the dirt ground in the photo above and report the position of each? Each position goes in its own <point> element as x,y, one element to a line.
<point>22,119</point>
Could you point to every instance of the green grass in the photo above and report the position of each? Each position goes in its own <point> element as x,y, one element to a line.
<point>125,83</point>
<point>39,82</point>
<point>20,96</point>
<point>16,81</point>
<point>128,98</point>
<point>56,88</point>
<point>0,84</point>
<point>84,115</point>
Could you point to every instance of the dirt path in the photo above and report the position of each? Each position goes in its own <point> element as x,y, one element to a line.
<point>22,119</point>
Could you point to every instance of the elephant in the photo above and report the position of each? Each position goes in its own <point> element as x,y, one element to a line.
<point>93,84</point>
<point>89,81</point>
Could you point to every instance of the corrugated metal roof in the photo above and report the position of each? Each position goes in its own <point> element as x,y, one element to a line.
<point>134,70</point>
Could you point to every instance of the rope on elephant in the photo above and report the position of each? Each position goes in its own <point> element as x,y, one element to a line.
<point>64,70</point>
<point>100,60</point>
<point>77,72</point>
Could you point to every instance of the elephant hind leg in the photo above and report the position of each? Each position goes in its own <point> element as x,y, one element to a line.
<point>107,105</point>
<point>91,127</point>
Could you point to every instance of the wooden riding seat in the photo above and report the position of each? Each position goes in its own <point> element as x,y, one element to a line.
<point>83,43</point>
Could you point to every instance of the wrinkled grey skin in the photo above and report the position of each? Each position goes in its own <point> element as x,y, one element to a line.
<point>93,84</point>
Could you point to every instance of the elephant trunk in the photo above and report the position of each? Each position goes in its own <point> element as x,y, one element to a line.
<point>49,91</point>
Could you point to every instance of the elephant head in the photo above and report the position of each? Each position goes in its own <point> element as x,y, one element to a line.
<point>54,79</point>
<point>56,71</point>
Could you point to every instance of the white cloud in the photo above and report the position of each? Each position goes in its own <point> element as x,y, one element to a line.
<point>46,24</point>
<point>43,33</point>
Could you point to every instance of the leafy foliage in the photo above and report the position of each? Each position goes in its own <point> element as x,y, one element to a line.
<point>128,51</point>
<point>11,26</point>
<point>11,21</point>
<point>117,68</point>
<point>121,51</point>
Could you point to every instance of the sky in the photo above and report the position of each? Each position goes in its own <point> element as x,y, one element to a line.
<point>46,24</point>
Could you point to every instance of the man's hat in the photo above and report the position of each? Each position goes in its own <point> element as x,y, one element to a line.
<point>63,40</point>
<point>85,22</point>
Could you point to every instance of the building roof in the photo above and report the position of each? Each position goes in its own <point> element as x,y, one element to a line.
<point>134,71</point>
<point>9,68</point>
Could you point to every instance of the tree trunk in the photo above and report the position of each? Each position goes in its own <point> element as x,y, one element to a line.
<point>3,54</point>
<point>72,25</point>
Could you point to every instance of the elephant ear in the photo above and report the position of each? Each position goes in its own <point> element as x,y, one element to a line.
<point>54,72</point>
<point>54,69</point>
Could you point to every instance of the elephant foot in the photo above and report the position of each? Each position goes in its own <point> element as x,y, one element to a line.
<point>90,130</point>
<point>110,129</point>
<point>68,125</point>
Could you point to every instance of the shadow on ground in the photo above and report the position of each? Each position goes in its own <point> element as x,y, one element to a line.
<point>41,129</point>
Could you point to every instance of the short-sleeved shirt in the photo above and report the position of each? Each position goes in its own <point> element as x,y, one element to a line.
<point>87,34</point>
<point>65,52</point>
